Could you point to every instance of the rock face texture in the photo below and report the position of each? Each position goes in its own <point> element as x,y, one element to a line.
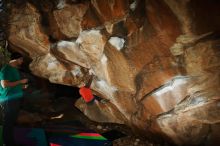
<point>155,62</point>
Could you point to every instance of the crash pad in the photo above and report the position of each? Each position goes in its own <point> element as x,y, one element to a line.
<point>71,140</point>
<point>69,135</point>
<point>30,137</point>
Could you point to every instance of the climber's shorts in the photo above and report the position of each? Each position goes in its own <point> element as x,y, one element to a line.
<point>92,101</point>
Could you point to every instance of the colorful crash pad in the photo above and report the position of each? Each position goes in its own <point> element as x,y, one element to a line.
<point>68,140</point>
<point>30,137</point>
<point>94,136</point>
<point>68,135</point>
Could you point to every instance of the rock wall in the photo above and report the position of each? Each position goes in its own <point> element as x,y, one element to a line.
<point>156,62</point>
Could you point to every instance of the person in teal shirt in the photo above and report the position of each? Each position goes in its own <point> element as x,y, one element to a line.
<point>11,92</point>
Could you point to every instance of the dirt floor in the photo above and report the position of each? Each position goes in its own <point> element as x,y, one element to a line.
<point>44,111</point>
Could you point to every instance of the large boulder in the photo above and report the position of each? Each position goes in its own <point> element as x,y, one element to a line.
<point>26,32</point>
<point>155,63</point>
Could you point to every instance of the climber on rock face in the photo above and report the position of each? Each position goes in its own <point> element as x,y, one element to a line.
<point>86,92</point>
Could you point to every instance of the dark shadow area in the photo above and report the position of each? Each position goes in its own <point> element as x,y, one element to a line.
<point>65,91</point>
<point>113,135</point>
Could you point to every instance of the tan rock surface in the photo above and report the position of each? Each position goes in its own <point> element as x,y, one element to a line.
<point>156,62</point>
<point>26,31</point>
<point>66,22</point>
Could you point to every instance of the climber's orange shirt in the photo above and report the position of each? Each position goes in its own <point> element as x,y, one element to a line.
<point>86,94</point>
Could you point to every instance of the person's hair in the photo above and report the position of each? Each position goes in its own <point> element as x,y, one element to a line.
<point>16,55</point>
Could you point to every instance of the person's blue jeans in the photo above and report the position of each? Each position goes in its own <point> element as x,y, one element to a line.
<point>10,113</point>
